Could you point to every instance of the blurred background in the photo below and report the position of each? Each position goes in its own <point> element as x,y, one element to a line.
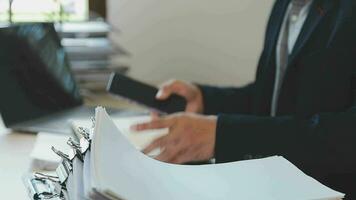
<point>211,42</point>
<point>201,40</point>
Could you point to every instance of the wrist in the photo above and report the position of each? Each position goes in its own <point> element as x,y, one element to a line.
<point>211,127</point>
<point>213,119</point>
<point>199,100</point>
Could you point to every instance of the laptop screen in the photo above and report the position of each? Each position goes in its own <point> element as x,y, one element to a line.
<point>35,75</point>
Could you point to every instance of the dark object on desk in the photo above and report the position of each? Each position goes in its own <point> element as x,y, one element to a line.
<point>39,92</point>
<point>144,94</point>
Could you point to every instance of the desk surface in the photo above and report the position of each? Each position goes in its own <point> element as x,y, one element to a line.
<point>15,149</point>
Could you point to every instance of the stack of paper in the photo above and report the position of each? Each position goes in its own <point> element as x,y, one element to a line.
<point>117,170</point>
<point>83,29</point>
<point>91,53</point>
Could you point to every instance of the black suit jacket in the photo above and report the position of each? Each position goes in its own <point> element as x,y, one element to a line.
<point>315,126</point>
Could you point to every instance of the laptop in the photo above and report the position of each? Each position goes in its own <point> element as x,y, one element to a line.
<point>38,92</point>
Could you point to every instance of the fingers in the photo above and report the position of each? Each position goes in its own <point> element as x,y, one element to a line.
<point>158,143</point>
<point>176,155</point>
<point>170,146</point>
<point>182,157</point>
<point>155,123</point>
<point>166,143</point>
<point>167,89</point>
<point>154,115</point>
<point>190,138</point>
<point>168,154</point>
<point>188,155</point>
<point>163,93</point>
<point>177,152</point>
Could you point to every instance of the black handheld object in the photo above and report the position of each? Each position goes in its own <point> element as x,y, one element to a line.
<point>144,94</point>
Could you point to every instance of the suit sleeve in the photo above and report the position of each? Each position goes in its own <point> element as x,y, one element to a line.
<point>227,100</point>
<point>324,139</point>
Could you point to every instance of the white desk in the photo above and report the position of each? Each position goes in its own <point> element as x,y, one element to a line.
<point>15,149</point>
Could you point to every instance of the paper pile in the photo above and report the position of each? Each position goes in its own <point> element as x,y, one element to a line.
<point>117,170</point>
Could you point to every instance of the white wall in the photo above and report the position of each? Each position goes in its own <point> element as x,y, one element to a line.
<point>215,42</point>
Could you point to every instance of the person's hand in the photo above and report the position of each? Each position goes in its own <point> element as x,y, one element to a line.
<point>191,137</point>
<point>189,91</point>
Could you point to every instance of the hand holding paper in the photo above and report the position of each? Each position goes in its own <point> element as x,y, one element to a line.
<point>191,137</point>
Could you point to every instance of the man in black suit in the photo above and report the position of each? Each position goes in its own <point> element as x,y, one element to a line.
<point>300,106</point>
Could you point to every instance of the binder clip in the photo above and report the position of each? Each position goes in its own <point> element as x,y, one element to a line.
<point>85,140</point>
<point>77,149</point>
<point>63,170</point>
<point>86,135</point>
<point>41,186</point>
<point>92,122</point>
<point>84,132</point>
<point>62,155</point>
<point>65,167</point>
<point>40,176</point>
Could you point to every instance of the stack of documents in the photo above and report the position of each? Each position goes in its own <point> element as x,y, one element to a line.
<point>83,29</point>
<point>107,164</point>
<point>89,48</point>
<point>115,169</point>
<point>92,54</point>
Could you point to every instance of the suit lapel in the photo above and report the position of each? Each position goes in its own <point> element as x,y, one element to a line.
<point>318,10</point>
<point>277,20</point>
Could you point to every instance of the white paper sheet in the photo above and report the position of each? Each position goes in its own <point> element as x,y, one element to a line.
<point>86,175</point>
<point>117,167</point>
<point>75,184</point>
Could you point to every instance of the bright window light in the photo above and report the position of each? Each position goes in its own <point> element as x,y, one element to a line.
<point>45,10</point>
<point>4,5</point>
